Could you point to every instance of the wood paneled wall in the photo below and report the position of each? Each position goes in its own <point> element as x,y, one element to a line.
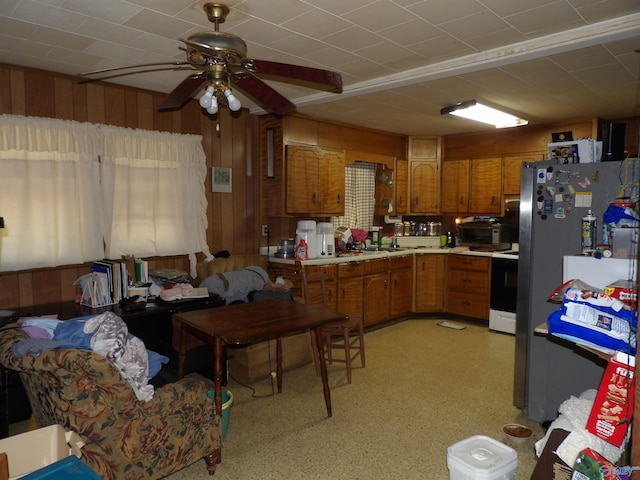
<point>228,141</point>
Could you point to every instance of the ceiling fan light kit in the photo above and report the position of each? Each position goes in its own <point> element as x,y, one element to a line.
<point>220,61</point>
<point>473,110</point>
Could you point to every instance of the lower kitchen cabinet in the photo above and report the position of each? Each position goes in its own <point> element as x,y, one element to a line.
<point>401,286</point>
<point>376,290</point>
<point>349,291</point>
<point>468,285</point>
<point>329,285</point>
<point>429,282</point>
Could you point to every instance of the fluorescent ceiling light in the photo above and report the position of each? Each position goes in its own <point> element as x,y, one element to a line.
<point>481,113</point>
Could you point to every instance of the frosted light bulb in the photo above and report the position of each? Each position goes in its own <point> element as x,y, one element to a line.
<point>213,108</point>
<point>234,103</point>
<point>206,99</point>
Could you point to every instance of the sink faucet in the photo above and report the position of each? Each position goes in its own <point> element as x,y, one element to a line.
<point>394,242</point>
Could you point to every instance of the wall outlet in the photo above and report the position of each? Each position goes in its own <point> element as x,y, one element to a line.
<point>265,230</point>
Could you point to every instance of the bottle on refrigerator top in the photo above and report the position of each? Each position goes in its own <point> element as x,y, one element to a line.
<point>588,234</point>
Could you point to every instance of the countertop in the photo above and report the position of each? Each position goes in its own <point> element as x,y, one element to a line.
<point>391,254</point>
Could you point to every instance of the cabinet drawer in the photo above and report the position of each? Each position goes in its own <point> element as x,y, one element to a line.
<point>397,263</point>
<point>350,269</point>
<point>329,271</point>
<point>468,304</point>
<point>378,265</point>
<point>469,262</point>
<point>468,281</point>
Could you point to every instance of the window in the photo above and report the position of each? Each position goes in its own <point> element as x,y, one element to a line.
<point>72,193</point>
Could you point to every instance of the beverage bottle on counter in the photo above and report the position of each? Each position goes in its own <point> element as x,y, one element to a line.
<point>588,233</point>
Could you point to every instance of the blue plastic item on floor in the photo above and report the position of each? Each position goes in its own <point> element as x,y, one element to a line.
<point>227,403</point>
<point>69,468</point>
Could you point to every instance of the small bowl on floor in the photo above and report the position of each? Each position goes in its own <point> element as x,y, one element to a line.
<point>517,433</point>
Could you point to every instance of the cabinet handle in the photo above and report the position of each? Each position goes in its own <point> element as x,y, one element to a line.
<point>339,201</point>
<point>313,197</point>
<point>461,199</point>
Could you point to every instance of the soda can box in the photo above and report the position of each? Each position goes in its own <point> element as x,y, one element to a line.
<point>624,290</point>
<point>612,409</point>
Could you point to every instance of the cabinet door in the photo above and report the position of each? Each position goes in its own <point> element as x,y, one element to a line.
<point>512,168</point>
<point>429,282</point>
<point>314,180</point>
<point>350,296</point>
<point>401,282</point>
<point>303,180</point>
<point>376,298</point>
<point>402,187</point>
<point>332,177</point>
<point>485,192</point>
<point>455,186</point>
<point>425,191</point>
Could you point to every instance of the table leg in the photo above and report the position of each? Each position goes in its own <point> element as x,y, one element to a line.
<point>182,353</point>
<point>217,372</point>
<point>279,363</point>
<point>323,369</point>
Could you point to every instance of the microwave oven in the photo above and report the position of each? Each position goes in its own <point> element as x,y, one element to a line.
<point>485,235</point>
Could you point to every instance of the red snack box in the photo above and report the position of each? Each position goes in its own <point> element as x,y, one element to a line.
<point>624,290</point>
<point>613,407</point>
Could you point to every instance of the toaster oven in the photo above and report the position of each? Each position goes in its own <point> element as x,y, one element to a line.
<point>485,235</point>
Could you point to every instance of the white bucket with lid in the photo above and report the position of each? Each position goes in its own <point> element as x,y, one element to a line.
<point>307,230</point>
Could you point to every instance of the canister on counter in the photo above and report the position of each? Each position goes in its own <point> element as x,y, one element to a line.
<point>399,229</point>
<point>407,229</point>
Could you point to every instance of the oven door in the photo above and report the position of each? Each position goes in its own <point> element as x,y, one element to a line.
<point>504,283</point>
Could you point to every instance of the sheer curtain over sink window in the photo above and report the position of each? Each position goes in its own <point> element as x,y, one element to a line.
<point>49,195</point>
<point>359,197</point>
<point>153,194</point>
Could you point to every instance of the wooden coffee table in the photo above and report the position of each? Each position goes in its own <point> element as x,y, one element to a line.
<point>247,323</point>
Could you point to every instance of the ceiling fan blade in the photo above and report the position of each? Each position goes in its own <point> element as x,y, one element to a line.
<point>142,65</point>
<point>175,68</point>
<point>182,92</point>
<point>263,94</point>
<point>306,76</point>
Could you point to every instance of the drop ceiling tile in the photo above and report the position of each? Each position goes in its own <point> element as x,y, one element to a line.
<point>70,41</point>
<point>298,45</point>
<point>441,48</point>
<point>442,11</point>
<point>414,31</point>
<point>496,39</point>
<point>16,28</point>
<point>340,7</point>
<point>383,52</point>
<point>475,25</point>
<point>114,11</point>
<point>597,11</point>
<point>552,17</point>
<point>101,30</point>
<point>115,51</point>
<point>512,7</point>
<point>352,38</point>
<point>54,17</point>
<point>156,44</point>
<point>379,16</point>
<point>584,58</point>
<point>166,7</point>
<point>259,31</point>
<point>316,24</point>
<point>276,11</point>
<point>7,6</point>
<point>158,23</point>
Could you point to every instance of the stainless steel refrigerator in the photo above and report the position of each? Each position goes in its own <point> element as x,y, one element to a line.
<point>554,198</point>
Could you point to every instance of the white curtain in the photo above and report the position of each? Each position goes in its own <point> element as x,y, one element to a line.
<point>359,197</point>
<point>49,171</point>
<point>153,194</point>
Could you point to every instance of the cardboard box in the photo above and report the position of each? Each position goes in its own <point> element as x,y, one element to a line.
<point>30,451</point>
<point>584,150</point>
<point>256,362</point>
<point>612,409</point>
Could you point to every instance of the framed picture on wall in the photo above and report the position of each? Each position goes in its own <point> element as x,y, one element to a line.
<point>221,179</point>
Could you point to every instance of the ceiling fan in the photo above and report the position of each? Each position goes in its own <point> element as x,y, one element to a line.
<point>220,61</point>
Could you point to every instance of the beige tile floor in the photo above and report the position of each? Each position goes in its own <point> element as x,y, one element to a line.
<point>424,388</point>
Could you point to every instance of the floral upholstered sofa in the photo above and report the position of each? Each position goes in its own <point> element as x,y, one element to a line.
<point>125,438</point>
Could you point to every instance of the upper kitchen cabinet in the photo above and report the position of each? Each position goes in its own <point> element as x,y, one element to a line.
<point>472,186</point>
<point>402,187</point>
<point>512,166</point>
<point>485,186</point>
<point>455,186</point>
<point>424,175</point>
<point>315,180</point>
